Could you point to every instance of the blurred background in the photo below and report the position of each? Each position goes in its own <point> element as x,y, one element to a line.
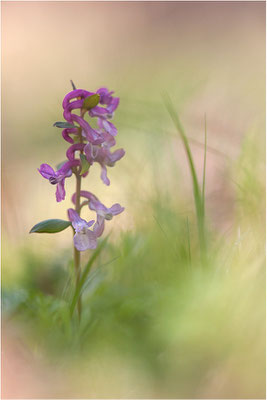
<point>154,325</point>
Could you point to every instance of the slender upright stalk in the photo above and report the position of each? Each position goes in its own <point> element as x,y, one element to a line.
<point>77,254</point>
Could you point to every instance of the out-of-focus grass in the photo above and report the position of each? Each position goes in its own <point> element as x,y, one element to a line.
<point>155,323</point>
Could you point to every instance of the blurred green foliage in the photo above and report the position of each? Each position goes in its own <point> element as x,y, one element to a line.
<point>149,300</point>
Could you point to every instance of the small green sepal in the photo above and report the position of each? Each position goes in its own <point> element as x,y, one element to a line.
<point>50,226</point>
<point>91,101</point>
<point>85,164</point>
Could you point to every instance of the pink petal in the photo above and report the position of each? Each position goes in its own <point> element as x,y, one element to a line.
<point>46,171</point>
<point>115,156</point>
<point>60,192</point>
<point>104,176</point>
<point>73,215</point>
<point>116,209</point>
<point>84,241</point>
<point>89,153</point>
<point>71,150</point>
<point>109,127</point>
<point>99,226</point>
<point>113,105</point>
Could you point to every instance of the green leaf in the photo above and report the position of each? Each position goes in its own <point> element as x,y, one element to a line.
<point>85,164</point>
<point>63,125</point>
<point>91,101</point>
<point>50,226</point>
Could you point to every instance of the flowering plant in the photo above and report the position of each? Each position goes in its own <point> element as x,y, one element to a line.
<point>93,146</point>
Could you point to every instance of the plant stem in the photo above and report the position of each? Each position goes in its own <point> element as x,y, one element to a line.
<point>77,255</point>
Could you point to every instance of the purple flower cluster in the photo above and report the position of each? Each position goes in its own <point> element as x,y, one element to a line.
<point>93,145</point>
<point>85,238</point>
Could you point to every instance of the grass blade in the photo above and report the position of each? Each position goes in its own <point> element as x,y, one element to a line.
<point>204,168</point>
<point>84,275</point>
<point>196,188</point>
<point>181,131</point>
<point>188,242</point>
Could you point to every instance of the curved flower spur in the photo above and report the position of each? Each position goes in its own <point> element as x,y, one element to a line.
<point>87,146</point>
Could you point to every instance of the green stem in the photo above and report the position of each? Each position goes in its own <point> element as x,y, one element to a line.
<point>77,254</point>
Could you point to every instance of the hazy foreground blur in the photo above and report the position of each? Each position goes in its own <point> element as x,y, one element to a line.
<point>151,330</point>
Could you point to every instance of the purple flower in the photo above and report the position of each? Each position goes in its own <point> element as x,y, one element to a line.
<point>75,99</point>
<point>66,134</point>
<point>58,177</point>
<point>105,113</point>
<point>83,193</point>
<point>102,211</point>
<point>91,134</point>
<point>71,150</point>
<point>99,227</point>
<point>105,96</point>
<point>75,94</point>
<point>107,99</point>
<point>94,145</point>
<point>104,157</point>
<point>84,238</point>
<point>107,126</point>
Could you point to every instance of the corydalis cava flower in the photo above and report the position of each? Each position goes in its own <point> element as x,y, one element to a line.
<point>88,146</point>
<point>58,177</point>
<point>102,212</point>
<point>103,156</point>
<point>84,238</point>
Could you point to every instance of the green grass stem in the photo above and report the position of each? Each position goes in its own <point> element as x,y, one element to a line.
<point>198,196</point>
<point>204,168</point>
